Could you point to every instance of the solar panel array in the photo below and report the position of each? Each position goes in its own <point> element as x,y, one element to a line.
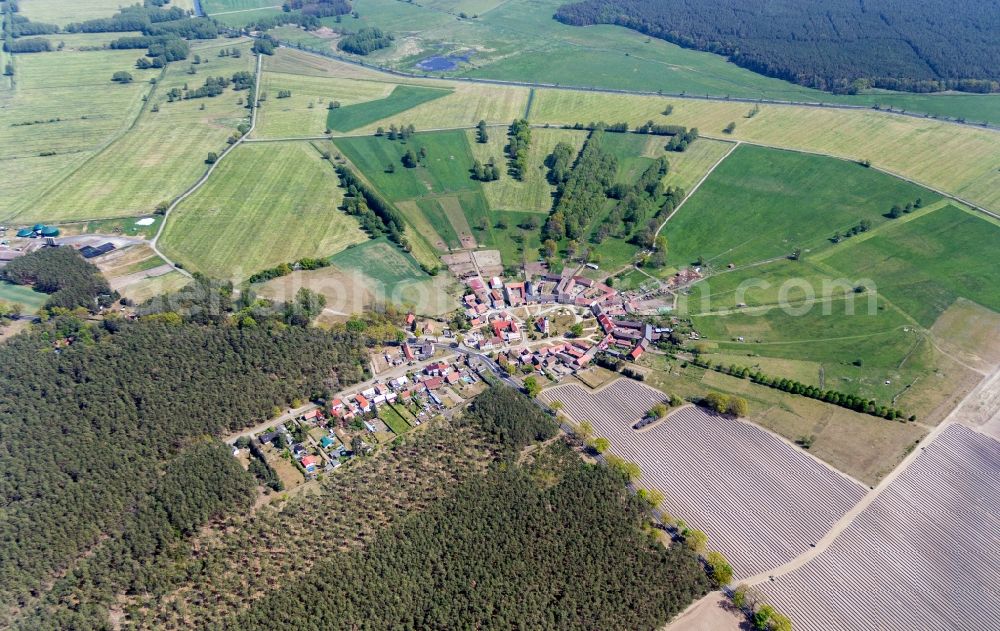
<point>923,555</point>
<point>761,501</point>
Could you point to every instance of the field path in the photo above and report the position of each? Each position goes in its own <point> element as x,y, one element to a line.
<point>696,186</point>
<point>986,390</point>
<point>204,178</point>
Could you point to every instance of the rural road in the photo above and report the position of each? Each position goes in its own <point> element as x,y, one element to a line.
<point>204,178</point>
<point>988,384</point>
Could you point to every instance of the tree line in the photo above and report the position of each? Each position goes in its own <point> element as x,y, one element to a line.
<point>849,401</point>
<point>841,46</point>
<point>518,141</point>
<point>377,216</point>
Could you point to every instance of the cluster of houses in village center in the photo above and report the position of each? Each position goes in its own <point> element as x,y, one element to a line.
<point>622,338</point>
<point>552,289</point>
<point>494,329</point>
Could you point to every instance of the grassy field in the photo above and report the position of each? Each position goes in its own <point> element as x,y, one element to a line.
<point>885,343</point>
<point>957,159</point>
<point>445,170</point>
<point>62,12</point>
<point>860,445</point>
<point>687,168</point>
<point>265,204</point>
<point>391,417</point>
<point>924,265</point>
<point>761,203</point>
<point>211,7</point>
<point>535,192</point>
<point>44,113</point>
<point>29,299</point>
<point>392,276</point>
<point>464,107</point>
<point>305,112</point>
<point>402,98</point>
<point>158,158</point>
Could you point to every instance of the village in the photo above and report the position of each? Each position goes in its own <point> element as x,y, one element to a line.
<point>544,328</point>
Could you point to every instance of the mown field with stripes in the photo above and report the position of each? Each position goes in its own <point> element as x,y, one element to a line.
<point>761,501</point>
<point>921,556</point>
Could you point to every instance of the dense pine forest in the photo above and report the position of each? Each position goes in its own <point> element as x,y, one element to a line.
<point>551,544</point>
<point>93,419</point>
<point>839,45</point>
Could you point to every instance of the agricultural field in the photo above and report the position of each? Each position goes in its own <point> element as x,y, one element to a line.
<point>519,41</point>
<point>161,155</point>
<point>305,112</point>
<point>401,99</point>
<point>464,107</point>
<point>924,265</point>
<point>929,539</point>
<point>797,498</point>
<point>760,204</point>
<point>534,192</point>
<point>389,275</point>
<point>953,158</point>
<point>62,13</point>
<point>862,446</point>
<point>44,114</point>
<point>265,204</point>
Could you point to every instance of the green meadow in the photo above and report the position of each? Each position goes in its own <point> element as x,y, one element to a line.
<point>761,204</point>
<point>402,98</point>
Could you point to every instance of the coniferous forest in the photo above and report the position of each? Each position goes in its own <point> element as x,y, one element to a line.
<point>838,45</point>
<point>95,418</point>
<point>557,545</point>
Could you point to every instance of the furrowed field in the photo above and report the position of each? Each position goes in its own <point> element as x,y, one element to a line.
<point>161,155</point>
<point>265,204</point>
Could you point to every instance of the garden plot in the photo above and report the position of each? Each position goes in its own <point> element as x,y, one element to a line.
<point>921,556</point>
<point>761,501</point>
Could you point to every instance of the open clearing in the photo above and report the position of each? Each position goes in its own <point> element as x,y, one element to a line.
<point>345,292</point>
<point>160,156</point>
<point>761,501</point>
<point>29,299</point>
<point>921,556</point>
<point>62,12</point>
<point>762,203</point>
<point>265,204</point>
